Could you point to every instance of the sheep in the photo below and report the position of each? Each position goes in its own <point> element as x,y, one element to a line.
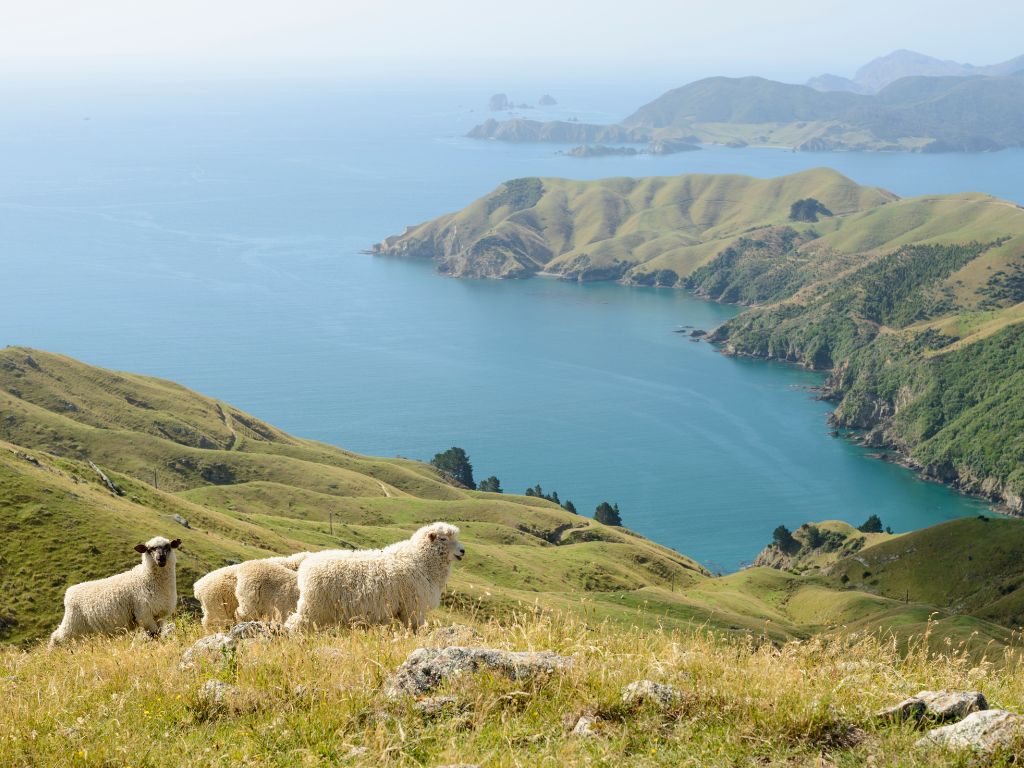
<point>233,593</point>
<point>400,582</point>
<point>267,589</point>
<point>141,597</point>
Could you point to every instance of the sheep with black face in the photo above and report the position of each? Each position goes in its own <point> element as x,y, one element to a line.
<point>142,597</point>
<point>401,582</point>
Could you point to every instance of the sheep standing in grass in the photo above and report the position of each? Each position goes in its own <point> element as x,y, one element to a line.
<point>249,591</point>
<point>398,583</point>
<point>141,597</point>
<point>267,589</point>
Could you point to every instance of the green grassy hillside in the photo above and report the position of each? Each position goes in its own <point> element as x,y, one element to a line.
<point>248,490</point>
<point>931,114</point>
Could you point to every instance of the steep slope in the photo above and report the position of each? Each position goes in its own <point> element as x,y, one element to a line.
<point>915,113</point>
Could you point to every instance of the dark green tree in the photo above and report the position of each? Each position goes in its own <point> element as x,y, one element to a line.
<point>490,484</point>
<point>872,525</point>
<point>807,210</point>
<point>568,506</point>
<point>454,464</point>
<point>608,514</point>
<point>813,537</point>
<point>535,491</point>
<point>784,540</point>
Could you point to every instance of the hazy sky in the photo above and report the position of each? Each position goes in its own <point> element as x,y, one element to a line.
<point>786,39</point>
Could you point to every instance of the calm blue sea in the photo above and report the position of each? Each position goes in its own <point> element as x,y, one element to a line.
<point>212,234</point>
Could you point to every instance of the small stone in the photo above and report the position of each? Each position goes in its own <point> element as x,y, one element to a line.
<point>647,691</point>
<point>253,630</point>
<point>435,705</point>
<point>167,630</point>
<point>585,727</point>
<point>181,521</point>
<point>943,706</point>
<point>984,730</point>
<point>355,752</point>
<point>216,692</point>
<point>426,668</point>
<point>209,648</point>
<point>908,709</point>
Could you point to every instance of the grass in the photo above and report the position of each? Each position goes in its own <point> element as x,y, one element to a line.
<point>318,700</point>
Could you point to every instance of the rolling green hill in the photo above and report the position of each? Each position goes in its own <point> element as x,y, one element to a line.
<point>930,114</point>
<point>913,304</point>
<point>246,490</point>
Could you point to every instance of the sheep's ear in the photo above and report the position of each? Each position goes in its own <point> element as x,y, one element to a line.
<point>141,548</point>
<point>176,543</point>
<point>432,536</point>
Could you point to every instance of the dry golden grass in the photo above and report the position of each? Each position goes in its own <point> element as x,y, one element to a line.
<point>319,701</point>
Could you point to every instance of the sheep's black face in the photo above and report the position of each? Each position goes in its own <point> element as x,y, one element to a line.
<point>160,553</point>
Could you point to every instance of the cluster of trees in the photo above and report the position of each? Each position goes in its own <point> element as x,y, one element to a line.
<point>455,465</point>
<point>813,538</point>
<point>807,209</point>
<point>538,492</point>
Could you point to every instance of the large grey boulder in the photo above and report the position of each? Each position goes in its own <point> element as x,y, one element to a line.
<point>214,647</point>
<point>908,709</point>
<point>985,731</point>
<point>426,668</point>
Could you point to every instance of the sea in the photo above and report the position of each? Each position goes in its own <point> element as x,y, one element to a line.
<point>214,233</point>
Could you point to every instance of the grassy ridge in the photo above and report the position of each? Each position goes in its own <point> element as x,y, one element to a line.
<point>319,701</point>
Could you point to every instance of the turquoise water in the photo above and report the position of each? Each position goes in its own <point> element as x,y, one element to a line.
<point>212,235</point>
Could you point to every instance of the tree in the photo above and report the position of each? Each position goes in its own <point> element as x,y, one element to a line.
<point>807,210</point>
<point>784,540</point>
<point>813,537</point>
<point>608,514</point>
<point>535,491</point>
<point>568,506</point>
<point>454,463</point>
<point>490,484</point>
<point>872,525</point>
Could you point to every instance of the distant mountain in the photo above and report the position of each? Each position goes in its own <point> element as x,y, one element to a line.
<point>916,114</point>
<point>880,72</point>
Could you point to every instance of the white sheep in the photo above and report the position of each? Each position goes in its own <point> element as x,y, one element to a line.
<point>268,589</point>
<point>400,582</point>
<point>141,597</point>
<point>248,591</point>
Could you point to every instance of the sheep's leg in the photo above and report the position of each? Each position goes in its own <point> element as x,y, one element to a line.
<point>145,620</point>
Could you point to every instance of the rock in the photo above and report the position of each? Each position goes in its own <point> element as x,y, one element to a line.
<point>426,668</point>
<point>355,752</point>
<point>499,102</point>
<point>209,648</point>
<point>167,630</point>
<point>648,692</point>
<point>216,692</point>
<point>547,100</point>
<point>435,705</point>
<point>254,630</point>
<point>585,727</point>
<point>984,730</point>
<point>942,706</point>
<point>454,634</point>
<point>181,521</point>
<point>908,709</point>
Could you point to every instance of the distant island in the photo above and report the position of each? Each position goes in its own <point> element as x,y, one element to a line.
<point>973,109</point>
<point>915,306</point>
<point>657,147</point>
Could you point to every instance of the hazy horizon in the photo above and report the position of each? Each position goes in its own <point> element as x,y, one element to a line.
<point>569,40</point>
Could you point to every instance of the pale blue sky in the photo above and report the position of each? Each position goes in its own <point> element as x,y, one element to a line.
<point>787,39</point>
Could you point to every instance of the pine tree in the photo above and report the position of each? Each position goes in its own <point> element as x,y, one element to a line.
<point>608,514</point>
<point>454,463</point>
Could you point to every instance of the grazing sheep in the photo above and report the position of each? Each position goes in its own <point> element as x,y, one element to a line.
<point>267,590</point>
<point>141,597</point>
<point>233,593</point>
<point>400,582</point>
